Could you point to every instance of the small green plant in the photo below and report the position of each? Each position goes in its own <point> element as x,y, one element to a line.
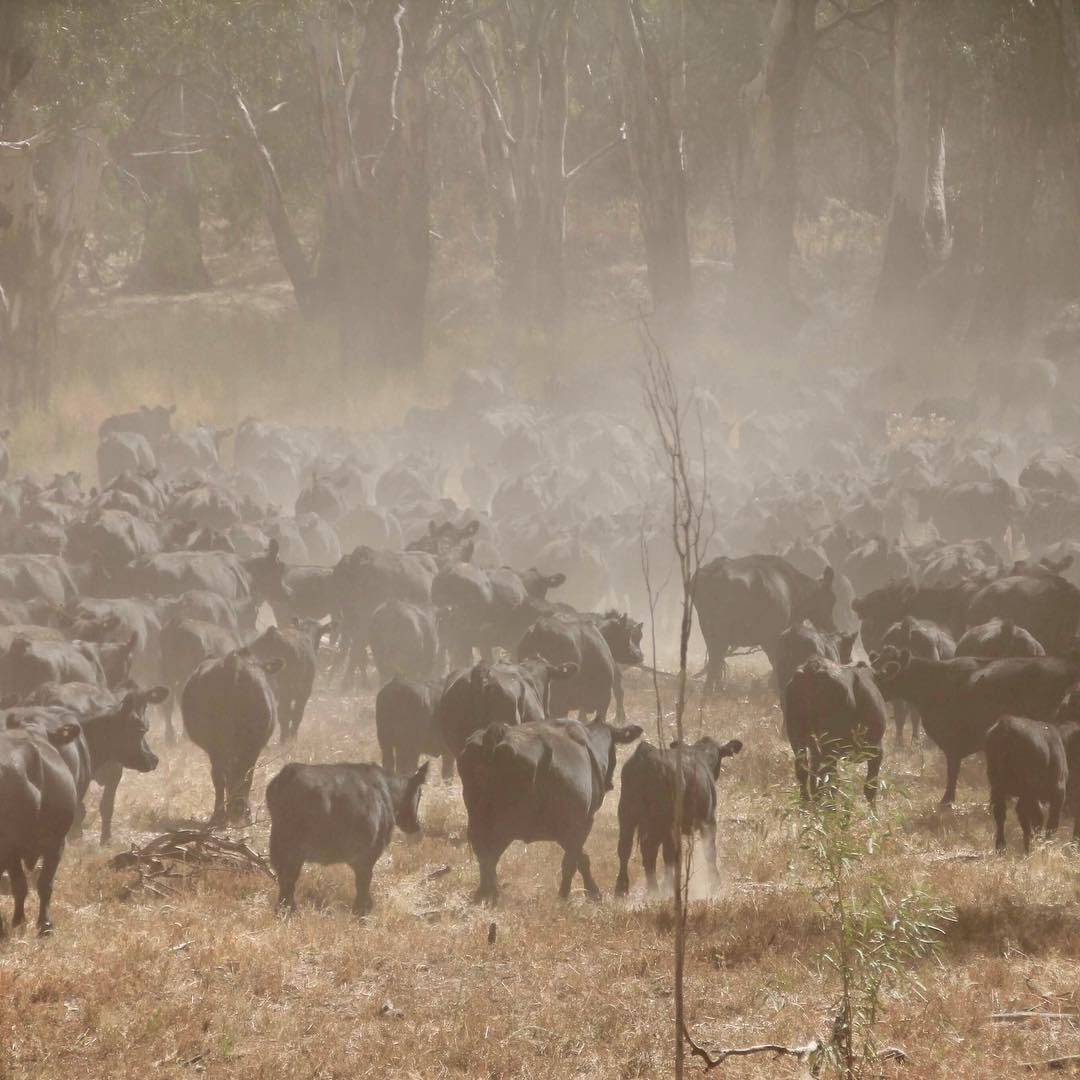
<point>876,932</point>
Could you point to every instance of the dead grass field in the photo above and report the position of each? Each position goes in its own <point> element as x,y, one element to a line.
<point>211,982</point>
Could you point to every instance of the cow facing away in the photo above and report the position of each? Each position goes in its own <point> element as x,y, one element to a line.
<point>997,639</point>
<point>802,640</point>
<point>832,711</point>
<point>297,647</point>
<point>230,712</point>
<point>647,804</point>
<point>751,601</point>
<point>496,694</point>
<point>342,813</point>
<point>37,810</point>
<point>544,780</point>
<point>1026,760</point>
<point>406,725</point>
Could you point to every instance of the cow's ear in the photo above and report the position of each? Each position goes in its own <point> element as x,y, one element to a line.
<point>272,667</point>
<point>554,581</point>
<point>874,658</point>
<point>563,671</point>
<point>157,694</point>
<point>891,670</point>
<point>731,748</point>
<point>65,733</point>
<point>628,734</point>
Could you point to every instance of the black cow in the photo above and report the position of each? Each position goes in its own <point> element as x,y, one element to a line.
<point>1044,603</point>
<point>113,737</point>
<point>946,605</point>
<point>1025,760</point>
<point>297,647</point>
<point>998,638</point>
<point>923,638</point>
<point>751,601</point>
<point>544,780</point>
<point>571,639</point>
<point>960,698</point>
<point>342,813</point>
<point>406,725</point>
<point>404,639</point>
<point>496,693</point>
<point>647,804</point>
<point>154,424</point>
<point>28,664</point>
<point>830,711</point>
<point>801,641</point>
<point>37,809</point>
<point>230,712</point>
<point>185,644</point>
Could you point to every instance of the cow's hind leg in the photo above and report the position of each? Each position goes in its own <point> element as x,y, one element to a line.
<point>19,889</point>
<point>1030,815</point>
<point>363,902</point>
<point>650,848</point>
<point>217,775</point>
<point>1053,818</point>
<point>110,781</point>
<point>627,827</point>
<point>999,807</point>
<point>49,865</point>
<point>708,836</point>
<point>873,768</point>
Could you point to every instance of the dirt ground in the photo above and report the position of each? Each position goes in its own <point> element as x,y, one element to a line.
<point>209,981</point>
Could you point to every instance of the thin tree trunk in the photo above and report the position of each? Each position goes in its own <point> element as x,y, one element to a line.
<point>45,210</point>
<point>767,186</point>
<point>997,322</point>
<point>917,237</point>
<point>171,259</point>
<point>656,162</point>
<point>374,125</point>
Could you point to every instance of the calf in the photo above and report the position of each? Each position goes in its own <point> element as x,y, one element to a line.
<point>647,804</point>
<point>297,647</point>
<point>831,711</point>
<point>997,639</point>
<point>1025,760</point>
<point>921,637</point>
<point>113,737</point>
<point>403,639</point>
<point>406,726</point>
<point>959,699</point>
<point>544,780</point>
<point>230,712</point>
<point>37,809</point>
<point>337,814</point>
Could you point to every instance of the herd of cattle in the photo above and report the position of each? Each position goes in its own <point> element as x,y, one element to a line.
<point>932,572</point>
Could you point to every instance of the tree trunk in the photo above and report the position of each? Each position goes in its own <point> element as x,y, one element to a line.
<point>917,238</point>
<point>171,259</point>
<point>767,187</point>
<point>997,322</point>
<point>374,125</point>
<point>523,137</point>
<point>656,162</point>
<point>45,208</point>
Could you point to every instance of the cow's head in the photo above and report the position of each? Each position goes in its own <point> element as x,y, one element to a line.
<point>121,735</point>
<point>712,753</point>
<point>407,803</point>
<point>267,573</point>
<point>889,667</point>
<point>623,636</point>
<point>116,658</point>
<point>820,601</point>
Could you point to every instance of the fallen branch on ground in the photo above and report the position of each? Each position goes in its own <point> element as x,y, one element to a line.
<point>1067,1062</point>
<point>800,1053</point>
<point>159,861</point>
<point>1029,1014</point>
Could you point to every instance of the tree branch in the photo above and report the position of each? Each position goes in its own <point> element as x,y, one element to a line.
<point>845,13</point>
<point>452,30</point>
<point>596,155</point>
<point>712,1061</point>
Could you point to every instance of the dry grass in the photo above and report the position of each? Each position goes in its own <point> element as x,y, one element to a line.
<point>133,985</point>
